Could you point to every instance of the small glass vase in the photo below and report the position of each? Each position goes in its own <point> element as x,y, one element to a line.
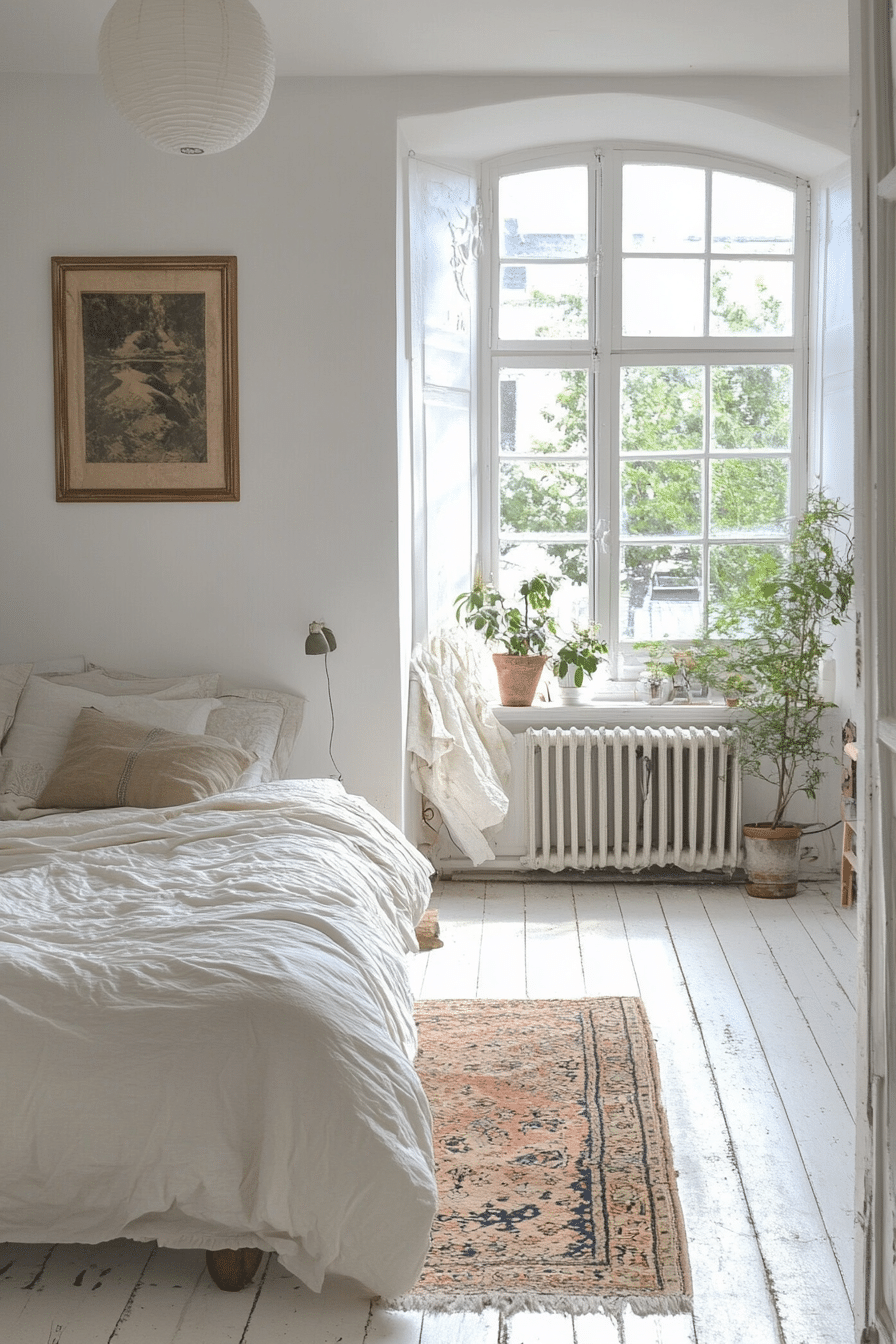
<point>653,691</point>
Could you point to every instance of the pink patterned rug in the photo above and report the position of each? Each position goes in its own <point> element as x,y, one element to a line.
<point>556,1185</point>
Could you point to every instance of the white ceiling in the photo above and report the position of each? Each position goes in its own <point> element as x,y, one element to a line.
<point>389,37</point>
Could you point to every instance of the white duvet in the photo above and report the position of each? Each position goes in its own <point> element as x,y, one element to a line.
<point>206,1032</point>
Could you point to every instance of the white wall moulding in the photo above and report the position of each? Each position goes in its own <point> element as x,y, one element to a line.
<point>193,76</point>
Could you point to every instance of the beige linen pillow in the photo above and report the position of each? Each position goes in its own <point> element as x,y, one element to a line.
<point>118,763</point>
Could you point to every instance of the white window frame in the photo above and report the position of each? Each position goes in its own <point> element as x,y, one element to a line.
<point>606,350</point>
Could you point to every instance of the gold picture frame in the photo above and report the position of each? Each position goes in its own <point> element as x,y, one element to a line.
<point>145,378</point>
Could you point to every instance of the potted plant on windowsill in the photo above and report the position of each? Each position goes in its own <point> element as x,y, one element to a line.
<point>577,660</point>
<point>525,632</point>
<point>655,682</point>
<point>777,637</point>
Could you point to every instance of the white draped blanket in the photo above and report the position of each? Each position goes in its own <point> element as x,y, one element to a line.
<point>459,752</point>
<point>207,1032</point>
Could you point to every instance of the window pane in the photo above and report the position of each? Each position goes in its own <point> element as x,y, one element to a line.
<point>662,298</point>
<point>753,297</point>
<point>752,407</point>
<point>663,208</point>
<point>749,496</point>
<point>733,570</point>
<point>544,302</point>
<point>662,409</point>
<point>750,216</point>
<point>544,497</point>
<point>564,561</point>
<point>661,592</point>
<point>543,410</point>
<point>661,498</point>
<point>544,214</point>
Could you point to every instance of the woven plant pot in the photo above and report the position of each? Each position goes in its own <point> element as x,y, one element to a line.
<point>518,676</point>
<point>772,860</point>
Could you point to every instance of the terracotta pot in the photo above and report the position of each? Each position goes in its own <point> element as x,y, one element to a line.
<point>518,676</point>
<point>772,860</point>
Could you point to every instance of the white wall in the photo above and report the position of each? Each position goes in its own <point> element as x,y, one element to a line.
<point>308,205</point>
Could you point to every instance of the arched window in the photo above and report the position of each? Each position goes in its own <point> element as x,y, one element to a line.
<point>643,422</point>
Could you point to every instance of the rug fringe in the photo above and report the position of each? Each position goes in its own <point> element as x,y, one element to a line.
<point>675,1304</point>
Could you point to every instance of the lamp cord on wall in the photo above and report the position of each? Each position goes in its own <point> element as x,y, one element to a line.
<point>332,719</point>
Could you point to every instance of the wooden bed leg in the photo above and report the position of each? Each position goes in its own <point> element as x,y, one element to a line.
<point>232,1270</point>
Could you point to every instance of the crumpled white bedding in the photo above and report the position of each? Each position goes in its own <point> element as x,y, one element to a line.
<point>207,1032</point>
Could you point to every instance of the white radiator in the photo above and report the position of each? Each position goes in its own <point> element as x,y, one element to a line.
<point>633,798</point>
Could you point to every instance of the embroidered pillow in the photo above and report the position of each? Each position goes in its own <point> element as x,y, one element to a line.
<point>112,762</point>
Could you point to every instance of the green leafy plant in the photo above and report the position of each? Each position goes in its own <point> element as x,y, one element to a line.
<point>582,652</point>
<point>659,661</point>
<point>707,663</point>
<point>777,634</point>
<point>523,630</point>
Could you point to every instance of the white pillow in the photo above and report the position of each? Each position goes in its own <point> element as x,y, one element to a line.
<point>13,677</point>
<point>46,715</point>
<point>264,722</point>
<point>202,685</point>
<point>293,707</point>
<point>253,725</point>
<point>52,667</point>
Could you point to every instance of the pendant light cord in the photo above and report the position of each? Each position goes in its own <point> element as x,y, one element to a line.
<point>332,718</point>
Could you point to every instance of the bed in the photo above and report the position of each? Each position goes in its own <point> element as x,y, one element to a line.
<point>207,1027</point>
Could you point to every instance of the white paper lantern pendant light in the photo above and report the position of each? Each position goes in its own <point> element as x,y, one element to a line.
<point>193,76</point>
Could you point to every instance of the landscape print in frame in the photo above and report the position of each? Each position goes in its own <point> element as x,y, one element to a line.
<point>145,378</point>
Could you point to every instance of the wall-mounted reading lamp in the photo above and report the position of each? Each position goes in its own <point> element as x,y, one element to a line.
<point>320,639</point>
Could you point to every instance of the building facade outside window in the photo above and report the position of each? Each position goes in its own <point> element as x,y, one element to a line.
<point>645,388</point>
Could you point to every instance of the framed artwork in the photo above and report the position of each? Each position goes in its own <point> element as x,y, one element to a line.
<point>145,378</point>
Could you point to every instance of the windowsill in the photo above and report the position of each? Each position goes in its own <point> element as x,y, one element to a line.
<point>608,713</point>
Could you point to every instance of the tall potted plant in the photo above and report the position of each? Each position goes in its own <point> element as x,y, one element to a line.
<point>524,632</point>
<point>780,630</point>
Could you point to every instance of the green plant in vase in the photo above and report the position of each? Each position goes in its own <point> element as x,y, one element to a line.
<point>659,669</point>
<point>577,660</point>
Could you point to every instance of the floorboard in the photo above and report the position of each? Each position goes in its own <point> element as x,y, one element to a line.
<point>606,957</point>
<point>535,1327</point>
<point>833,931</point>
<point>461,1327</point>
<point>452,971</point>
<point>553,955</point>
<point>596,1328</point>
<point>808,1292</point>
<point>161,1296</point>
<point>289,1313</point>
<point>78,1296</point>
<point>502,961</point>
<point>828,1012</point>
<point>752,1006</point>
<point>815,1109</point>
<point>393,1327</point>
<point>732,1299</point>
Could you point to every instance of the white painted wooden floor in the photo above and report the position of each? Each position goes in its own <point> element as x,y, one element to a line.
<point>752,1005</point>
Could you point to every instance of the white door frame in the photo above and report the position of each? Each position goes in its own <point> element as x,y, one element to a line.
<point>874,222</point>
